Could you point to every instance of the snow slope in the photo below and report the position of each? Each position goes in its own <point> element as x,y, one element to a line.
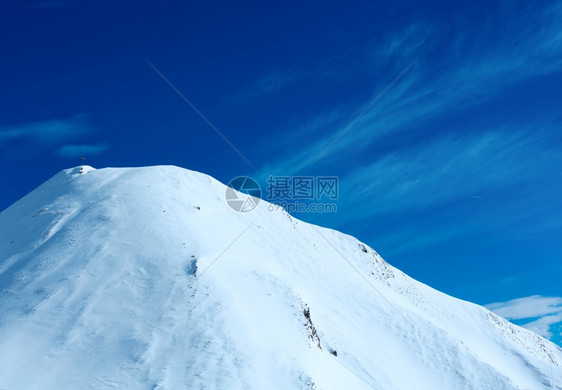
<point>145,278</point>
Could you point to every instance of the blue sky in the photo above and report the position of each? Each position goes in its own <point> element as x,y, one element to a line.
<point>451,172</point>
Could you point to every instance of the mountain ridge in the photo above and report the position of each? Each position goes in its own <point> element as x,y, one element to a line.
<point>145,278</point>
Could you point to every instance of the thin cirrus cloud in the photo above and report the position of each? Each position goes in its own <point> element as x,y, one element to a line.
<point>275,80</point>
<point>448,168</point>
<point>541,312</point>
<point>268,83</point>
<point>451,171</point>
<point>72,151</point>
<point>491,154</point>
<point>425,94</point>
<point>60,135</point>
<point>47,131</point>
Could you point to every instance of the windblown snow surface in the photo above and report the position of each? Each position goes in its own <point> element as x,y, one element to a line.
<point>145,278</point>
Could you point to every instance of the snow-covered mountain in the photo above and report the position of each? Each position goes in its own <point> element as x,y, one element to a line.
<point>145,278</point>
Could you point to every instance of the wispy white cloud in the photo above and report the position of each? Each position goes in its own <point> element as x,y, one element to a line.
<point>527,307</point>
<point>401,47</point>
<point>445,169</point>
<point>542,312</point>
<point>544,325</point>
<point>426,93</point>
<point>480,155</point>
<point>46,132</point>
<point>72,151</point>
<point>58,135</point>
<point>449,171</point>
<point>275,80</point>
<point>268,83</point>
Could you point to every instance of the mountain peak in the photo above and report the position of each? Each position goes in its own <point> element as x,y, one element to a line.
<point>147,278</point>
